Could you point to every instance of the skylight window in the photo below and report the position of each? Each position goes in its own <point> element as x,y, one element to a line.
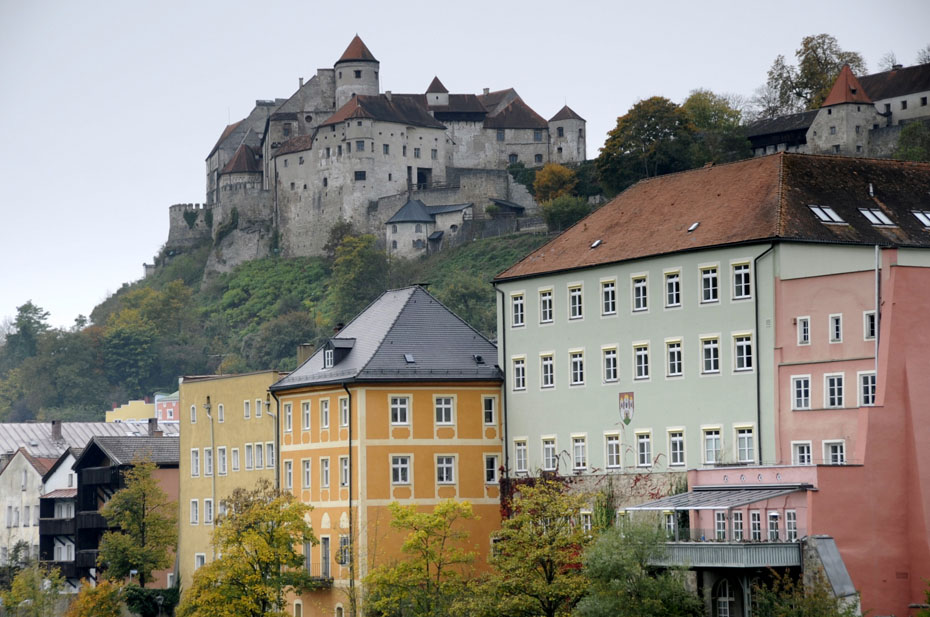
<point>693,226</point>
<point>923,216</point>
<point>876,216</point>
<point>596,244</point>
<point>826,214</point>
<point>408,358</point>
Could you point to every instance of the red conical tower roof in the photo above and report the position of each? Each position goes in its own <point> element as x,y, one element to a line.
<point>846,89</point>
<point>357,50</point>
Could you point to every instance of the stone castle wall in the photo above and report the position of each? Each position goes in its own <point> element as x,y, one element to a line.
<point>181,234</point>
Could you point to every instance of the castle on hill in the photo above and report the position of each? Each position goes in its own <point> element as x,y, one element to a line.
<point>341,149</point>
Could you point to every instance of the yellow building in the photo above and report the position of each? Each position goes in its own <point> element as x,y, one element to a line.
<point>138,411</point>
<point>403,404</point>
<point>227,442</point>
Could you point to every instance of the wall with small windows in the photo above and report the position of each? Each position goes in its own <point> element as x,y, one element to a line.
<point>843,129</point>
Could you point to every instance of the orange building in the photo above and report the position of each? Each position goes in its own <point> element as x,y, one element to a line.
<point>403,404</point>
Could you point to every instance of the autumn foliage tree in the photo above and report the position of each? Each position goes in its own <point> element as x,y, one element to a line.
<point>100,600</point>
<point>552,181</point>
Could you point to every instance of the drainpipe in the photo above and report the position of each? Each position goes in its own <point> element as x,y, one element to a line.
<point>277,449</point>
<point>208,407</point>
<point>352,599</point>
<point>755,300</point>
<point>503,368</point>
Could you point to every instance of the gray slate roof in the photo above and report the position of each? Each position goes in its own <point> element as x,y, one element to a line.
<point>717,498</point>
<point>15,435</point>
<point>782,124</point>
<point>124,450</point>
<point>434,210</point>
<point>403,321</point>
<point>414,211</point>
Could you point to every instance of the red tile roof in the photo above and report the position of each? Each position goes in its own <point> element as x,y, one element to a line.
<point>357,50</point>
<point>566,113</point>
<point>761,199</point>
<point>62,493</point>
<point>846,89</point>
<point>245,160</point>
<point>296,144</point>
<point>436,86</point>
<point>516,115</point>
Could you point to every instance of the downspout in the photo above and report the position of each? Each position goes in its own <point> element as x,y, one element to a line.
<point>503,370</point>
<point>755,292</point>
<point>277,427</point>
<point>352,599</point>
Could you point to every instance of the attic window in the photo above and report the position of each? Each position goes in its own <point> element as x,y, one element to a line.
<point>826,214</point>
<point>328,358</point>
<point>923,216</point>
<point>876,216</point>
<point>693,226</point>
<point>596,243</point>
<point>408,358</point>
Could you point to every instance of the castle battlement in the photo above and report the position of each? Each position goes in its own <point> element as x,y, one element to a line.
<point>176,208</point>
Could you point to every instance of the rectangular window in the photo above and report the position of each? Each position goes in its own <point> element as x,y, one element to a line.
<point>416,153</point>
<point>342,557</point>
<point>676,448</point>
<point>519,374</point>
<point>324,413</point>
<point>195,463</point>
<point>359,146</point>
<point>876,216</point>
<point>834,452</point>
<point>791,525</point>
<point>305,415</point>
<point>305,473</point>
<point>545,307</point>
<point>343,471</point>
<point>672,289</point>
<point>445,470</point>
<point>711,446</point>
<point>500,134</point>
<point>804,330</point>
<point>833,391</point>
<point>641,361</point>
<point>385,149</point>
<point>258,408</point>
<point>608,298</point>
<point>193,414</point>
<point>836,328</point>
<point>549,456</point>
<point>207,511</point>
<point>741,282</point>
<point>643,449</point>
<point>520,456</point>
<point>328,356</point>
<point>801,453</point>
<point>208,461</point>
<point>195,512</point>
<point>674,366</point>
<point>745,447</point>
<point>801,392</point>
<point>547,371</point>
<point>709,285</point>
<point>434,154</point>
<point>360,176</point>
<point>720,525</point>
<point>249,461</point>
<point>537,134</point>
<point>866,389</point>
<point>710,352</point>
<point>755,523</point>
<point>400,408</point>
<point>490,408</point>
<point>246,409</point>
<point>579,453</point>
<point>613,451</point>
<point>269,455</point>
<point>738,525</point>
<point>259,456</point>
<point>220,413</point>
<point>826,214</point>
<point>773,526</point>
<point>517,310</point>
<point>400,470</point>
<point>324,473</point>
<point>577,368</point>
<point>575,309</point>
<point>640,294</point>
<point>344,411</point>
<point>234,456</point>
<point>742,352</point>
<point>611,368</point>
<point>869,326</point>
<point>443,410</point>
<point>490,469</point>
<point>288,417</point>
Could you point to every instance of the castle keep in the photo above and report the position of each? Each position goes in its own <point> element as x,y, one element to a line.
<point>341,149</point>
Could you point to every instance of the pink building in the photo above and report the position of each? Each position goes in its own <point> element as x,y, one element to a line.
<point>166,407</point>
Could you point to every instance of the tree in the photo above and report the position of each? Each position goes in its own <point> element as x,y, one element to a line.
<point>102,600</point>
<point>552,181</point>
<point>624,584</point>
<point>923,55</point>
<point>34,592</point>
<point>564,211</point>
<point>720,137</point>
<point>23,341</point>
<point>359,275</point>
<point>341,230</point>
<point>785,596</point>
<point>913,142</point>
<point>129,351</point>
<point>538,551</point>
<point>887,62</point>
<point>471,298</point>
<point>147,523</point>
<point>433,574</point>
<point>257,563</point>
<point>653,138</point>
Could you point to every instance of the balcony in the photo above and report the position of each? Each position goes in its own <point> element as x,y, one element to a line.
<point>56,527</point>
<point>91,520</point>
<point>320,574</point>
<point>731,554</point>
<point>86,559</point>
<point>68,569</point>
<point>100,475</point>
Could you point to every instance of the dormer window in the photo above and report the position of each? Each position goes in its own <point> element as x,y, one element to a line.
<point>328,358</point>
<point>876,216</point>
<point>923,216</point>
<point>826,214</point>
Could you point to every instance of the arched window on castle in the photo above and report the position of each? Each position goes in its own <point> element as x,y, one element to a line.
<point>513,158</point>
<point>419,228</point>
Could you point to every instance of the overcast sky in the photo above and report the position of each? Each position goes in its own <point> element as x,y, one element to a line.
<point>111,107</point>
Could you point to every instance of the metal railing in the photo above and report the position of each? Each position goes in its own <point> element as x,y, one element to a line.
<point>745,536</point>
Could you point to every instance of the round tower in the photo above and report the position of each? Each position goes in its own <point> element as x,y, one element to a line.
<point>356,73</point>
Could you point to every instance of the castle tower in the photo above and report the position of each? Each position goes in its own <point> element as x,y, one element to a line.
<point>436,94</point>
<point>356,73</point>
<point>843,122</point>
<point>567,134</point>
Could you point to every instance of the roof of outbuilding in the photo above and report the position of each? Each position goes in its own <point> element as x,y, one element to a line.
<point>761,199</point>
<point>414,211</point>
<point>436,87</point>
<point>897,82</point>
<point>357,50</point>
<point>782,124</point>
<point>399,108</point>
<point>846,89</point>
<point>566,113</point>
<point>62,493</point>
<point>245,160</point>
<point>403,323</point>
<point>14,435</point>
<point>434,210</point>
<point>162,451</point>
<point>516,115</point>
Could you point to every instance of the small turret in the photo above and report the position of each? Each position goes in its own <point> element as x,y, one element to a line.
<point>436,94</point>
<point>567,133</point>
<point>356,73</point>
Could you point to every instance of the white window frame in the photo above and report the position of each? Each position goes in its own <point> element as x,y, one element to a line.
<point>517,309</point>
<point>399,405</point>
<point>328,358</point>
<point>740,340</point>
<point>791,525</point>
<point>804,330</point>
<point>673,288</point>
<point>755,525</point>
<point>797,452</point>
<point>324,413</point>
<point>613,452</point>
<point>491,469</point>
<point>710,343</point>
<point>641,370</point>
<point>234,459</point>
<point>305,411</point>
<point>835,323</point>
<point>709,432</point>
<point>444,409</point>
<point>344,411</point>
<point>200,560</point>
<point>288,417</point>
<point>674,354</point>
<point>401,469</point>
<point>643,455</point>
<point>518,374</point>
<point>867,393</point>
<point>546,308</point>
<point>258,408</point>
<point>740,432</point>
<point>575,301</point>
<point>520,455</point>
<point>579,452</point>
<point>249,457</point>
<point>246,409</point>
<point>195,462</point>
<point>608,297</point>
<point>840,386</point>
<point>774,530</point>
<point>220,413</point>
<point>741,269</point>
<point>259,455</point>
<point>736,525</point>
<point>796,402</point>
<point>306,473</point>
<point>195,512</point>
<point>866,317</point>
<point>324,472</point>
<point>827,454</point>
<point>610,363</point>
<point>550,460</point>
<point>486,409</point>
<point>676,456</point>
<point>344,475</point>
<point>207,462</point>
<point>639,292</point>
<point>720,525</point>
<point>193,414</point>
<point>576,367</point>
<point>269,455</point>
<point>547,370</point>
<point>445,469</point>
<point>208,511</point>
<point>710,272</point>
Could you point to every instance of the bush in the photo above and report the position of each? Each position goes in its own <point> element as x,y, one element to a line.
<point>563,212</point>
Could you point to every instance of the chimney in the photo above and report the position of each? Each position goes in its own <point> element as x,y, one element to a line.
<point>153,428</point>
<point>304,351</point>
<point>387,93</point>
<point>487,91</point>
<point>56,430</point>
<point>301,81</point>
<point>339,326</point>
<point>897,67</point>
